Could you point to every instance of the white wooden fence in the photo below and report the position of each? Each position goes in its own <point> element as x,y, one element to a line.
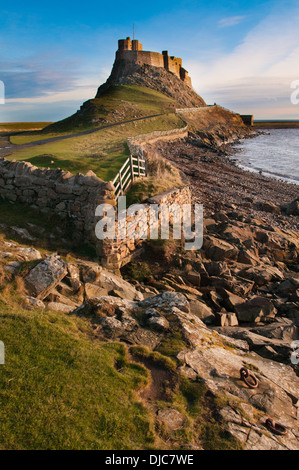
<point>134,166</point>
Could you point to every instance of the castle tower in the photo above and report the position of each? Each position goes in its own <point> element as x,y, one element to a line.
<point>136,45</point>
<point>125,44</point>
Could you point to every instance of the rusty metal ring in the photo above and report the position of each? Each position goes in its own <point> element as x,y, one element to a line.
<point>247,377</point>
<point>244,372</point>
<point>276,428</point>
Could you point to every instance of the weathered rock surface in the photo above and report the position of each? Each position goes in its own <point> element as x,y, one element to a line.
<point>211,357</point>
<point>255,309</point>
<point>45,276</point>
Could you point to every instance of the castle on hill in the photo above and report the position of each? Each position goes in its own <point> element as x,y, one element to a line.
<point>130,52</point>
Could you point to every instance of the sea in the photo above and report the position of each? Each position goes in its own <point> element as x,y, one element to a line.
<point>275,153</point>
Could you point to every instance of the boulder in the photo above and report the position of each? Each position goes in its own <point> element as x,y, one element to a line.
<point>92,290</point>
<point>58,307</point>
<point>288,286</point>
<point>111,282</point>
<point>57,297</point>
<point>32,302</point>
<point>167,301</point>
<point>261,275</point>
<point>293,207</point>
<point>173,419</point>
<point>230,300</point>
<point>255,310</point>
<point>193,278</point>
<point>155,320</point>
<point>220,250</point>
<point>12,267</point>
<point>215,268</point>
<point>248,257</point>
<point>282,329</point>
<point>226,319</point>
<point>202,311</point>
<point>45,276</point>
<point>23,233</point>
<point>268,207</point>
<point>29,254</point>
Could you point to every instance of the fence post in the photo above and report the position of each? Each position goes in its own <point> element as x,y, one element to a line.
<point>138,159</point>
<point>131,166</point>
<point>120,183</point>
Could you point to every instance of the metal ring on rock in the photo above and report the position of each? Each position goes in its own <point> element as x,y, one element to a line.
<point>247,377</point>
<point>276,428</point>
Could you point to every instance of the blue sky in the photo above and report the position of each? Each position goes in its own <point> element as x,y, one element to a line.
<point>242,55</point>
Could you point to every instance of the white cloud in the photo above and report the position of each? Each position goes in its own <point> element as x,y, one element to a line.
<point>258,72</point>
<point>230,21</point>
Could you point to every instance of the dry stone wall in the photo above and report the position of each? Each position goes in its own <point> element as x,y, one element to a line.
<point>56,192</point>
<point>136,144</point>
<point>74,198</point>
<point>116,253</point>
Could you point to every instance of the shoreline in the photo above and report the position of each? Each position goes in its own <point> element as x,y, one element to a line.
<point>220,184</point>
<point>236,148</point>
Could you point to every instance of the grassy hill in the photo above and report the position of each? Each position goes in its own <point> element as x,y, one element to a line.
<point>103,151</point>
<point>118,103</point>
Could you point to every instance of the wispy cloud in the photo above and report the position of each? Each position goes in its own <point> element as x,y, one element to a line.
<point>230,21</point>
<point>255,77</point>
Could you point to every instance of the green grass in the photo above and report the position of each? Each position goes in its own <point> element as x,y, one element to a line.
<point>27,138</point>
<point>59,388</point>
<point>143,352</point>
<point>103,152</point>
<point>118,103</point>
<point>22,126</point>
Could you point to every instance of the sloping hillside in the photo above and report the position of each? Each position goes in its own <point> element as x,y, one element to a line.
<point>116,104</point>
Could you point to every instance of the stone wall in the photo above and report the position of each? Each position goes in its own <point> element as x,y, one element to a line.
<point>73,199</point>
<point>56,192</point>
<point>119,252</point>
<point>190,110</point>
<point>136,144</point>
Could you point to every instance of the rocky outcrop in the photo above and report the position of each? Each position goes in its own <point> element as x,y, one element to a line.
<point>212,358</point>
<point>155,78</point>
<point>60,283</point>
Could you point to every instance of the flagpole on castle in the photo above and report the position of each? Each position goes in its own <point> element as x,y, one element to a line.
<point>133,31</point>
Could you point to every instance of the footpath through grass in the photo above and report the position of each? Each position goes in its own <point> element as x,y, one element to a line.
<point>103,152</point>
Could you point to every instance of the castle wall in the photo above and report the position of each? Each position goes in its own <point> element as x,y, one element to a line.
<point>131,53</point>
<point>141,57</point>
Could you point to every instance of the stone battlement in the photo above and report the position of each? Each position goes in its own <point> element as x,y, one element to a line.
<point>131,52</point>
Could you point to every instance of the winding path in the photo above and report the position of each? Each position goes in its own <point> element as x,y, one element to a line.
<point>6,147</point>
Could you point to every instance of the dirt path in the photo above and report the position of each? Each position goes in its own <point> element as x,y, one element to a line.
<point>7,148</point>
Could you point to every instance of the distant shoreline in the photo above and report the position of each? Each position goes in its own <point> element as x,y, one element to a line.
<point>276,124</point>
